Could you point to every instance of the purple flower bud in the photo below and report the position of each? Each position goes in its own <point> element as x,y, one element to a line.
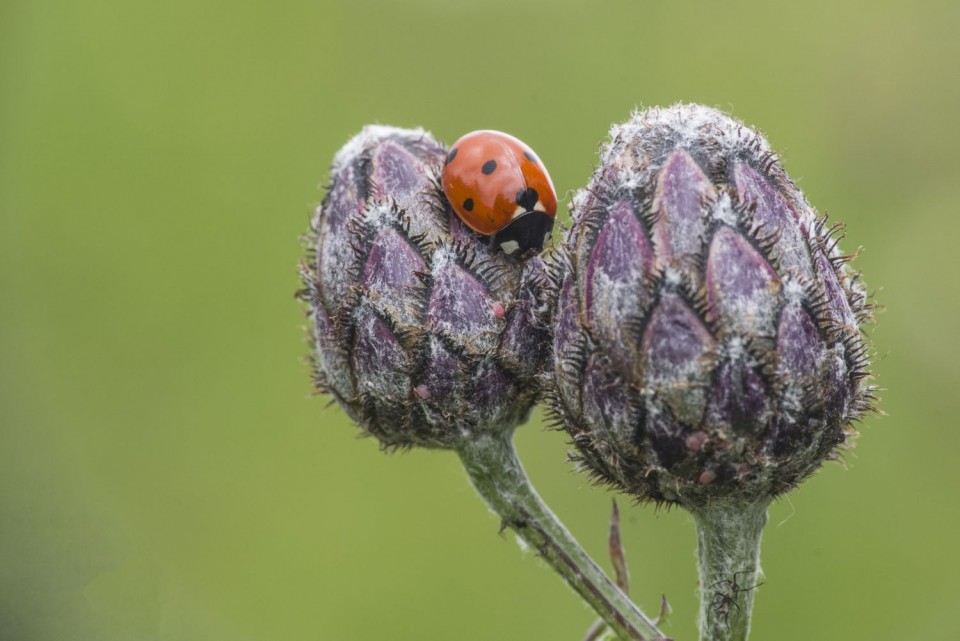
<point>707,340</point>
<point>423,334</point>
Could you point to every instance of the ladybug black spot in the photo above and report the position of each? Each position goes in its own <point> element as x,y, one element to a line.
<point>451,156</point>
<point>527,198</point>
<point>468,204</point>
<point>488,167</point>
<point>530,156</point>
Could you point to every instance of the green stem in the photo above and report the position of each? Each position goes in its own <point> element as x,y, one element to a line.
<point>498,476</point>
<point>728,545</point>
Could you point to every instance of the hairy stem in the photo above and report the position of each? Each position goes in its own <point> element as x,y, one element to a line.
<point>498,476</point>
<point>728,545</point>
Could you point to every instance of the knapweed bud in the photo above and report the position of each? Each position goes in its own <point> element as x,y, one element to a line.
<point>707,342</point>
<point>423,333</point>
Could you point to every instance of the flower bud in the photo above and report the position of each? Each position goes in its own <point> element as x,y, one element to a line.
<point>707,342</point>
<point>423,334</point>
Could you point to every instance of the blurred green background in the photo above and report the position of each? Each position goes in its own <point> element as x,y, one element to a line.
<point>164,471</point>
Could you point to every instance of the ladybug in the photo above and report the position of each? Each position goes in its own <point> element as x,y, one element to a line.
<point>498,187</point>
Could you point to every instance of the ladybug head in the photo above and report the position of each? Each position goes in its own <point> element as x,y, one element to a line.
<point>525,234</point>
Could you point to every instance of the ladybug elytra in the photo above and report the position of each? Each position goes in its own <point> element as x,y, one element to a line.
<point>498,187</point>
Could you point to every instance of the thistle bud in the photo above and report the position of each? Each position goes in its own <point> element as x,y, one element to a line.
<point>422,333</point>
<point>707,342</point>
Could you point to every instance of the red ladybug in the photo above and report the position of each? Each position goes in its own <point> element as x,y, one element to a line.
<point>498,187</point>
